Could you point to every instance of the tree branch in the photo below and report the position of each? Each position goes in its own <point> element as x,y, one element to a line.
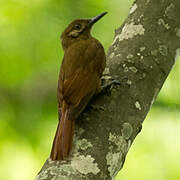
<point>142,54</point>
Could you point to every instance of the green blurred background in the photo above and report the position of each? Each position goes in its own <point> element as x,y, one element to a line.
<point>30,56</point>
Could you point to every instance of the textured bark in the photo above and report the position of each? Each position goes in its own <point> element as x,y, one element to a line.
<point>141,56</point>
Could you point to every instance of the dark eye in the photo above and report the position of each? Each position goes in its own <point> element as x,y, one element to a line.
<point>77,26</point>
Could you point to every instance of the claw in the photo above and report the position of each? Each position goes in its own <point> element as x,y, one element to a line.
<point>113,82</point>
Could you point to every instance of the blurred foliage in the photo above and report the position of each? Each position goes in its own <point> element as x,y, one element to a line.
<point>30,57</point>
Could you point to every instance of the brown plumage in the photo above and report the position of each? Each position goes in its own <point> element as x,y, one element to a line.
<point>79,79</point>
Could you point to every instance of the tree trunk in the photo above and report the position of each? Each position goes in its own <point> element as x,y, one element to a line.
<point>141,56</point>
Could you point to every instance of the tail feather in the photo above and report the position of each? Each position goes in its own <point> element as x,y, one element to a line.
<point>62,143</point>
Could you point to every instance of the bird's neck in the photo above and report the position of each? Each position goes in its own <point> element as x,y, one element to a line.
<point>68,41</point>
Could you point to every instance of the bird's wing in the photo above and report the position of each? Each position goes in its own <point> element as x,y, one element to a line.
<point>81,71</point>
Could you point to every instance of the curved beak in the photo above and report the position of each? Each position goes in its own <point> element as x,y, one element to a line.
<point>96,18</point>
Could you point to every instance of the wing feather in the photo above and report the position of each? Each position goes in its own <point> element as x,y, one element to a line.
<point>79,77</point>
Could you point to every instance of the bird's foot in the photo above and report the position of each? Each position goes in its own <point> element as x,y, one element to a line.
<point>110,84</point>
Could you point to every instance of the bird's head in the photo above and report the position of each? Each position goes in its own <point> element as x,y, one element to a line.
<point>79,29</point>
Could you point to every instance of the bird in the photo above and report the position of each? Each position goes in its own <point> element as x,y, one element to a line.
<point>80,75</point>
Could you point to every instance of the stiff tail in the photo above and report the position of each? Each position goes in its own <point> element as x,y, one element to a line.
<point>62,143</point>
